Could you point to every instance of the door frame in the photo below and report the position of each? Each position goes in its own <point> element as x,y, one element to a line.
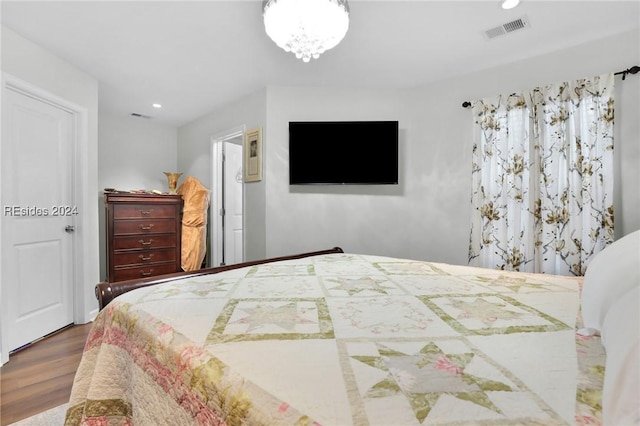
<point>216,235</point>
<point>80,239</point>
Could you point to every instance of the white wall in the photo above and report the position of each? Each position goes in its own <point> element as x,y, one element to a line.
<point>194,159</point>
<point>28,62</point>
<point>359,218</point>
<point>427,215</point>
<point>133,153</point>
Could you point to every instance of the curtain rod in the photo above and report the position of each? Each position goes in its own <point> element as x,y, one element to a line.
<point>633,70</point>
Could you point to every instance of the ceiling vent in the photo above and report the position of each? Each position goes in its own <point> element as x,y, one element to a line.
<point>135,114</point>
<point>509,27</point>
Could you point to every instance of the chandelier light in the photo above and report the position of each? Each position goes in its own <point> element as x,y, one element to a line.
<point>306,27</point>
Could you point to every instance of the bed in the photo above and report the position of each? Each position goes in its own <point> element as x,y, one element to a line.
<point>334,338</point>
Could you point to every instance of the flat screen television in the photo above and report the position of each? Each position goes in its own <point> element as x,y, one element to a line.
<point>343,152</point>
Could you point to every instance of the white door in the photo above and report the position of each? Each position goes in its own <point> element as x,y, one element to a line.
<point>37,202</point>
<point>233,204</point>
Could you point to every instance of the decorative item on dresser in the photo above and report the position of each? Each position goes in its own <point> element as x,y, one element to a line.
<point>144,234</point>
<point>172,180</point>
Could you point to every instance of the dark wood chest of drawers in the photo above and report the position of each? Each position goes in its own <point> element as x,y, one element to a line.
<point>143,235</point>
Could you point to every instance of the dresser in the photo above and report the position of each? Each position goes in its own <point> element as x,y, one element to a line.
<point>143,235</point>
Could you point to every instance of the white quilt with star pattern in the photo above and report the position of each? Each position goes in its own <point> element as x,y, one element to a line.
<point>343,339</point>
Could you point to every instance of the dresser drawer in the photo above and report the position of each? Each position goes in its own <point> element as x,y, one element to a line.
<point>141,258</point>
<point>140,242</point>
<point>144,211</point>
<point>138,227</point>
<point>135,272</point>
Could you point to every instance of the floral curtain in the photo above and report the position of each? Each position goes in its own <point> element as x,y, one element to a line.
<point>542,198</point>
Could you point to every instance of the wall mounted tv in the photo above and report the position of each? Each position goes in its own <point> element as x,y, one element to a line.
<point>343,152</point>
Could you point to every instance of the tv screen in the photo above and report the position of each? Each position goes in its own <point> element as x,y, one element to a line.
<point>343,152</point>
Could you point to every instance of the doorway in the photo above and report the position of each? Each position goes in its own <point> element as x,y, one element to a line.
<point>40,135</point>
<point>227,202</point>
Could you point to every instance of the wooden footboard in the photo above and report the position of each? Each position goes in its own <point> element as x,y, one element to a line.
<point>106,292</point>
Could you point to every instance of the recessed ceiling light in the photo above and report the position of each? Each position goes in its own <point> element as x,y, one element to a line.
<point>510,4</point>
<point>157,106</point>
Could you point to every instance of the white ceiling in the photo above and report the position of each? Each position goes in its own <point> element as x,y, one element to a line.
<point>193,57</point>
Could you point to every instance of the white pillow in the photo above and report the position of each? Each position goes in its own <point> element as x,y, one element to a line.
<point>612,273</point>
<point>621,340</point>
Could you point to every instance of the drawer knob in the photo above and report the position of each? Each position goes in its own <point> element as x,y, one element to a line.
<point>146,227</point>
<point>146,243</point>
<point>145,258</point>
<point>146,274</point>
<point>146,212</point>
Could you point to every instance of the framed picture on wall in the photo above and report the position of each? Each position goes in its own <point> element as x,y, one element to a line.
<point>253,155</point>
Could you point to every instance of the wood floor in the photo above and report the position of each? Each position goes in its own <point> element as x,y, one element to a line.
<point>40,377</point>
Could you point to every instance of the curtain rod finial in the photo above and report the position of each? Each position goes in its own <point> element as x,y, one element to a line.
<point>633,70</point>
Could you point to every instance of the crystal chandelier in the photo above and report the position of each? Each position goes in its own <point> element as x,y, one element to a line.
<point>306,27</point>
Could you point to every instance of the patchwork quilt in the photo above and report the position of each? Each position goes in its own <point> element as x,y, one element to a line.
<point>343,339</point>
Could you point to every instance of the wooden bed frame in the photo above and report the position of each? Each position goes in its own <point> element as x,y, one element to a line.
<point>106,291</point>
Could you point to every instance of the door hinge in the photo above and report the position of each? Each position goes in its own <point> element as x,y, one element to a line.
<point>222,212</point>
